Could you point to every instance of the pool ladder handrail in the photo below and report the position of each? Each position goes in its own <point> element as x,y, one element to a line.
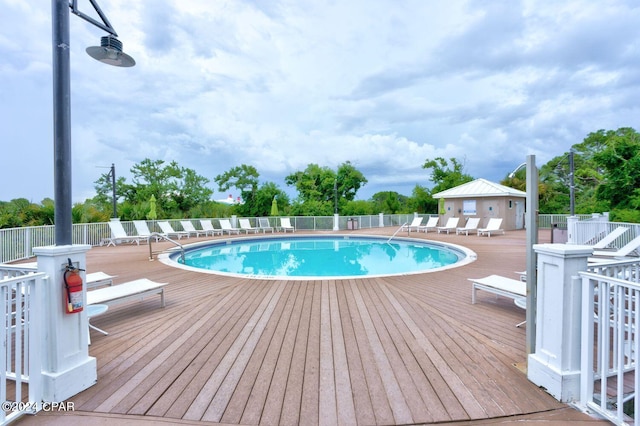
<point>157,236</point>
<point>398,230</point>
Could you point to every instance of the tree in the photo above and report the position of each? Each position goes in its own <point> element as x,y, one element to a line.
<point>445,176</point>
<point>621,161</point>
<point>324,187</point>
<point>421,201</point>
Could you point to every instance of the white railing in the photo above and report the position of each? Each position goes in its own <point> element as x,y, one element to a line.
<point>610,320</point>
<point>18,243</point>
<point>21,308</point>
<point>592,230</point>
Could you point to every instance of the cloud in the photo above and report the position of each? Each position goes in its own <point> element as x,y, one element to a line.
<point>281,84</point>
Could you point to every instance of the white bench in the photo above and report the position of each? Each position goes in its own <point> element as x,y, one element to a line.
<point>499,285</point>
<point>121,293</point>
<point>99,279</point>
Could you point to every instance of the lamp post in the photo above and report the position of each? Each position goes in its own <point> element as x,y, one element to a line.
<point>112,175</point>
<point>110,52</point>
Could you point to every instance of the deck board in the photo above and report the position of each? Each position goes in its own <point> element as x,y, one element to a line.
<point>388,350</point>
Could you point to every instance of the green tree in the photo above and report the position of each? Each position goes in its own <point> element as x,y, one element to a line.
<point>421,201</point>
<point>324,187</point>
<point>621,161</point>
<point>446,176</point>
<point>244,178</point>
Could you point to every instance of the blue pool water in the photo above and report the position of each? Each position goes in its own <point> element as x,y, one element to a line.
<point>322,256</point>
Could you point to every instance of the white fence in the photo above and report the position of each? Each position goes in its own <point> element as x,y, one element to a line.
<point>21,308</point>
<point>591,230</point>
<point>610,320</point>
<point>18,243</point>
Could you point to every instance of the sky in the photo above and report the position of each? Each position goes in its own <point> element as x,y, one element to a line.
<point>280,84</point>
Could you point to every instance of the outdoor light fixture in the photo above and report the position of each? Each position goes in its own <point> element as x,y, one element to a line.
<point>110,52</point>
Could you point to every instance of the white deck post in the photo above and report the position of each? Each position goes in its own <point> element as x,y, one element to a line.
<point>67,367</point>
<point>381,220</point>
<point>555,363</point>
<point>336,222</point>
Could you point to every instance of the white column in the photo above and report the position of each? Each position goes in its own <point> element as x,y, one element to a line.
<point>381,220</point>
<point>336,222</point>
<point>572,229</point>
<point>67,367</point>
<point>555,363</point>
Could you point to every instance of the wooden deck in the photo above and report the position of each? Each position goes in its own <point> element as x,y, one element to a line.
<point>377,351</point>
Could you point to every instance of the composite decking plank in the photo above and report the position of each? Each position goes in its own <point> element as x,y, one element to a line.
<point>406,370</point>
<point>189,386</point>
<point>274,396</point>
<point>249,394</point>
<point>164,377</point>
<point>363,408</point>
<point>399,406</point>
<point>327,392</point>
<point>382,412</point>
<point>342,377</point>
<point>215,410</point>
<point>309,403</point>
<point>208,394</point>
<point>291,405</point>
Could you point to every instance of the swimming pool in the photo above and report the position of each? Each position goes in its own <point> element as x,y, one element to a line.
<point>320,257</point>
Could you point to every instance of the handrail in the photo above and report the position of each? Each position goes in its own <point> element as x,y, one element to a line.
<point>157,235</point>
<point>398,230</point>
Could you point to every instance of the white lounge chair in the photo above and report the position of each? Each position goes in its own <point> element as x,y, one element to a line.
<point>610,237</point>
<point>121,293</point>
<point>493,227</point>
<point>285,225</point>
<point>167,230</point>
<point>502,286</point>
<point>624,251</point>
<point>225,224</point>
<point>264,225</point>
<point>118,234</point>
<point>451,225</point>
<point>99,279</point>
<point>143,229</point>
<point>415,224</point>
<point>432,225</point>
<point>190,229</point>
<point>245,226</point>
<point>471,225</point>
<point>208,228</point>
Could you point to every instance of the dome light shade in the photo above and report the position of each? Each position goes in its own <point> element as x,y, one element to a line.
<point>110,52</point>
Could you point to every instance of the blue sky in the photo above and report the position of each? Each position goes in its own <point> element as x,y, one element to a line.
<point>281,84</point>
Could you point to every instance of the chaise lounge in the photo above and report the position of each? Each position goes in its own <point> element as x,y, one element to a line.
<point>500,286</point>
<point>132,290</point>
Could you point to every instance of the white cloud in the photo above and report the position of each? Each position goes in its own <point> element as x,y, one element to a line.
<point>281,84</point>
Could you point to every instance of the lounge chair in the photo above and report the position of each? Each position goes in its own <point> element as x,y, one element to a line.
<point>415,224</point>
<point>121,293</point>
<point>118,234</point>
<point>167,230</point>
<point>500,286</point>
<point>143,229</point>
<point>225,224</point>
<point>493,227</point>
<point>610,237</point>
<point>264,225</point>
<point>208,228</point>
<point>99,279</point>
<point>451,225</point>
<point>624,251</point>
<point>432,224</point>
<point>471,225</point>
<point>245,226</point>
<point>190,229</point>
<point>285,225</point>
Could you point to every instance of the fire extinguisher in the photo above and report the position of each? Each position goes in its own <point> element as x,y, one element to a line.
<point>72,288</point>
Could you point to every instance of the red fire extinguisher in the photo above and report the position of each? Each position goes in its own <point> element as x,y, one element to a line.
<point>73,288</point>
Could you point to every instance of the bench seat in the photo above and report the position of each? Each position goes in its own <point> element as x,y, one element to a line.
<point>499,285</point>
<point>121,293</point>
